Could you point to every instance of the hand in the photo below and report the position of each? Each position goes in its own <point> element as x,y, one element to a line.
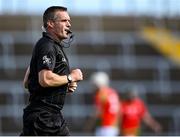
<point>157,128</point>
<point>72,86</point>
<point>76,75</point>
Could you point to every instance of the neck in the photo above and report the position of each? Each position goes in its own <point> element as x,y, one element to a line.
<point>54,36</point>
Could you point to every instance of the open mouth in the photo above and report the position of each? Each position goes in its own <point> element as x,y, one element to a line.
<point>68,31</point>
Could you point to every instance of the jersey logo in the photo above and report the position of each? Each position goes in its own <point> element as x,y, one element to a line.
<point>46,60</point>
<point>63,60</point>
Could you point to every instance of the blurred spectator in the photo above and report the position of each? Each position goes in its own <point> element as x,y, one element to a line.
<point>133,111</point>
<point>107,105</point>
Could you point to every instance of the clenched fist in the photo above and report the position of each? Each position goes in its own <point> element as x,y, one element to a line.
<point>76,75</point>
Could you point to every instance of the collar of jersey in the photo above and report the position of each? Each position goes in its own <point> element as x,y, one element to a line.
<point>45,34</point>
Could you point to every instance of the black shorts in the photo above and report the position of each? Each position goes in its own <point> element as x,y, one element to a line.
<point>42,122</point>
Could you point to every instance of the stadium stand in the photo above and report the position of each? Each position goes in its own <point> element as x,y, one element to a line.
<point>164,41</point>
<point>112,44</point>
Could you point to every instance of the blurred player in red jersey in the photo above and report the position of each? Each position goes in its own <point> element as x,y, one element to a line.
<point>133,111</point>
<point>107,106</point>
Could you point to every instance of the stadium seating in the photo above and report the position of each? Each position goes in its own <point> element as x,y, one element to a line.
<point>111,44</point>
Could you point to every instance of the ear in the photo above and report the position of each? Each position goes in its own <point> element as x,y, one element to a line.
<point>50,24</point>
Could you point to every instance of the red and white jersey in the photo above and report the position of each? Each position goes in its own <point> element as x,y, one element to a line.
<point>132,113</point>
<point>107,103</point>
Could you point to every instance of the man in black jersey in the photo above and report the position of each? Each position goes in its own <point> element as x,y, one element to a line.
<point>49,78</point>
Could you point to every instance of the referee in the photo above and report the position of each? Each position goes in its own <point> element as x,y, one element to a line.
<point>49,78</point>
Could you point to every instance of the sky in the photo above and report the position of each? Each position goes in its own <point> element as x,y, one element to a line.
<point>95,7</point>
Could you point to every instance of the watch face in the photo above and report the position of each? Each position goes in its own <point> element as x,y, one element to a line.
<point>69,78</point>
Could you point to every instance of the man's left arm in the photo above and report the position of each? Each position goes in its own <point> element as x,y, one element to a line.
<point>25,81</point>
<point>151,122</point>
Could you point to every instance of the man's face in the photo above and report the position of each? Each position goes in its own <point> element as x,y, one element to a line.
<point>61,25</point>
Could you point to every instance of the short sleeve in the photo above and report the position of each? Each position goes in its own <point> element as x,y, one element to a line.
<point>46,57</point>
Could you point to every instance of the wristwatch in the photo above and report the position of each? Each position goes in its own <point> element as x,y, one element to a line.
<point>69,78</point>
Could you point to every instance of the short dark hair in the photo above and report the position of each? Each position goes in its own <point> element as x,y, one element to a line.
<point>49,13</point>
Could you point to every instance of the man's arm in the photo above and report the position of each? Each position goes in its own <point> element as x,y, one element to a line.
<point>49,79</point>
<point>25,81</point>
<point>152,123</point>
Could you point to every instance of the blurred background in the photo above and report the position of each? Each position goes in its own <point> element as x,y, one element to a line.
<point>134,41</point>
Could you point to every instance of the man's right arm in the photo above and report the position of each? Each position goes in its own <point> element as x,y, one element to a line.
<point>49,79</point>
